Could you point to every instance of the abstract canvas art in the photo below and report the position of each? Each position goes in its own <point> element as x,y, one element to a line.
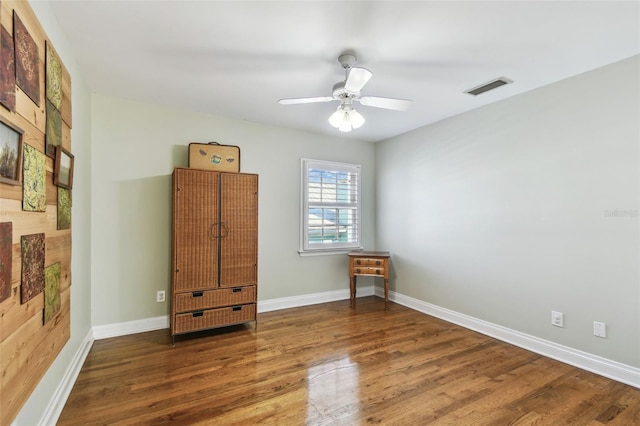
<point>7,71</point>
<point>53,129</point>
<point>34,174</point>
<point>51,291</point>
<point>6,236</point>
<point>53,77</point>
<point>64,208</point>
<point>27,60</point>
<point>32,266</point>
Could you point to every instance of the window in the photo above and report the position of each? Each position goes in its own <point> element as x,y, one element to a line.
<point>330,207</point>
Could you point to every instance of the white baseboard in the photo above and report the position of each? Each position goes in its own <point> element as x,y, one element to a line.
<point>593,363</point>
<point>310,299</point>
<point>161,322</point>
<point>56,403</point>
<point>130,327</point>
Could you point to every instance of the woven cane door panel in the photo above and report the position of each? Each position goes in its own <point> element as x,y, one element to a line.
<point>196,227</point>
<point>239,229</point>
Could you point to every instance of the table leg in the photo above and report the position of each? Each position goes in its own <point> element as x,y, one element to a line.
<point>353,290</point>
<point>386,294</point>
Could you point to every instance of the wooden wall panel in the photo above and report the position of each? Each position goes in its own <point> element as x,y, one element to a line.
<point>66,100</point>
<point>28,347</point>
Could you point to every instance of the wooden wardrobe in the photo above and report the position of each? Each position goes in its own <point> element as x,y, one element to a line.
<point>214,249</point>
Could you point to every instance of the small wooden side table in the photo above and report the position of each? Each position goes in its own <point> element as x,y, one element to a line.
<point>369,263</point>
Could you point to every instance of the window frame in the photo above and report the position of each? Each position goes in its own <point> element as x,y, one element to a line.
<point>307,249</point>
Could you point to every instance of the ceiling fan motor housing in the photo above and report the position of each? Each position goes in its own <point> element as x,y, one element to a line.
<point>339,92</point>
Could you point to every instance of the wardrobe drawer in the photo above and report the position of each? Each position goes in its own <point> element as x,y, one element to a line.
<point>195,300</point>
<point>211,318</point>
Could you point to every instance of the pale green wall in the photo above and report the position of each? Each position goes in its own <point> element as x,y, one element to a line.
<point>81,216</point>
<point>136,146</point>
<point>501,213</point>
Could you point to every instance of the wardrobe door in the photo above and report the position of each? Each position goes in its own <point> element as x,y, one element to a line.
<point>238,229</point>
<point>195,229</point>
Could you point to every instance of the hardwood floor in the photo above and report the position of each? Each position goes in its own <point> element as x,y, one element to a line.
<point>330,364</point>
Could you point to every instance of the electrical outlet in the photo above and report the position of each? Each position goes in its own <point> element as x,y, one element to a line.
<point>557,319</point>
<point>600,329</point>
<point>160,296</point>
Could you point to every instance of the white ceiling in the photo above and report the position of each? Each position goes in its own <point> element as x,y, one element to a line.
<point>237,58</point>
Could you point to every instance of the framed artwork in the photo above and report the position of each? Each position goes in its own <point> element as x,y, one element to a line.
<point>51,291</point>
<point>27,60</point>
<point>34,175</point>
<point>32,266</point>
<point>53,76</point>
<point>63,172</point>
<point>6,243</point>
<point>64,208</point>
<point>53,129</point>
<point>10,153</point>
<point>7,71</point>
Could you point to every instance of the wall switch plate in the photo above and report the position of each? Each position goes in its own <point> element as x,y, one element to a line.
<point>557,319</point>
<point>160,296</point>
<point>599,329</point>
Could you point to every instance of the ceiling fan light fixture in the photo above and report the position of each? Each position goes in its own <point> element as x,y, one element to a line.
<point>357,120</point>
<point>337,118</point>
<point>346,119</point>
<point>345,126</point>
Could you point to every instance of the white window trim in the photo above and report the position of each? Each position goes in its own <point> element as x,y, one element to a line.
<point>305,164</point>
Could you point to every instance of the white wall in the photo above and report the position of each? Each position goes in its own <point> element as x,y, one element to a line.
<point>81,221</point>
<point>507,212</point>
<point>135,148</point>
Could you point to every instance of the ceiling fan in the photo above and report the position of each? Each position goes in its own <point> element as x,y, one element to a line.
<point>346,118</point>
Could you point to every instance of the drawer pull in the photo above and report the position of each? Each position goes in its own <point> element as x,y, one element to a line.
<point>358,262</point>
<point>236,290</point>
<point>197,294</point>
<point>236,308</point>
<point>197,314</point>
<point>378,271</point>
<point>377,263</point>
<point>358,271</point>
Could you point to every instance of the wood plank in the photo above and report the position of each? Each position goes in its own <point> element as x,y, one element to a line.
<point>52,190</point>
<point>66,103</point>
<point>6,15</point>
<point>66,136</point>
<point>11,192</point>
<point>34,360</point>
<point>332,364</point>
<point>25,223</point>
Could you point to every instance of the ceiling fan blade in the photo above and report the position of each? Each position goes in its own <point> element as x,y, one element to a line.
<point>387,103</point>
<point>292,101</point>
<point>356,79</point>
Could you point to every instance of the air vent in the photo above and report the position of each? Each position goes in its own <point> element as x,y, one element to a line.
<point>493,84</point>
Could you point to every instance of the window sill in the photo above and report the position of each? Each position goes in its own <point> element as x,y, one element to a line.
<point>303,253</point>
